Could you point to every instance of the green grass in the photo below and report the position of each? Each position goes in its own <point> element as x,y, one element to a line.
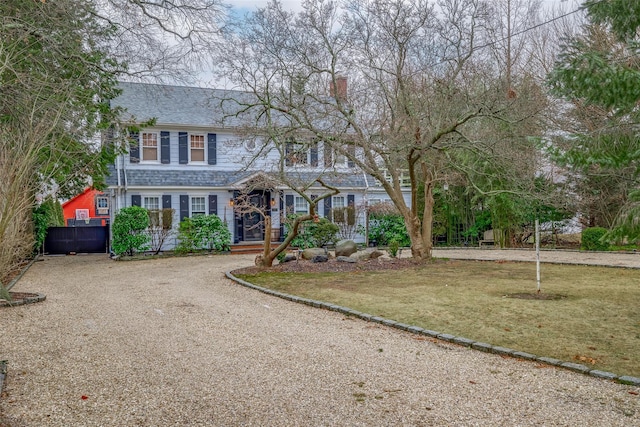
<point>596,322</point>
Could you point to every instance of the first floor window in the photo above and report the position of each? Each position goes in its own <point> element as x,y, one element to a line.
<point>152,204</point>
<point>197,148</point>
<point>301,205</point>
<point>149,146</point>
<point>338,211</point>
<point>198,206</point>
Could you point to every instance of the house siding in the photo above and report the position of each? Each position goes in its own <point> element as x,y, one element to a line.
<point>181,111</point>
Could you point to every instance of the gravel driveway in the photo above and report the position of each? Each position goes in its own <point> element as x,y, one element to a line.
<point>173,343</point>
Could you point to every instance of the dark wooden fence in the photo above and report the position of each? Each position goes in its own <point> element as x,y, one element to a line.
<point>64,240</point>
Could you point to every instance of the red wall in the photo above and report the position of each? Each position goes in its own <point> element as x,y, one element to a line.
<point>84,200</point>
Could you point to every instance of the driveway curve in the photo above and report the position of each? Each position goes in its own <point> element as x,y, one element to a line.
<point>172,342</point>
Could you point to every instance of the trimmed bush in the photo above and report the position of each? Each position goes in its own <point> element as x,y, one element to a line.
<point>129,231</point>
<point>313,234</point>
<point>592,239</point>
<point>203,232</point>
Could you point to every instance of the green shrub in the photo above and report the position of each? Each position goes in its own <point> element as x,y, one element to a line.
<point>592,239</point>
<point>313,234</point>
<point>48,214</point>
<point>393,248</point>
<point>203,232</point>
<point>129,231</point>
<point>385,228</point>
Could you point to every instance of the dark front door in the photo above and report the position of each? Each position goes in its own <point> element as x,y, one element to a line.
<point>252,222</point>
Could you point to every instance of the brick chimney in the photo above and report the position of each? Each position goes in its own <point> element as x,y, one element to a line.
<point>339,90</point>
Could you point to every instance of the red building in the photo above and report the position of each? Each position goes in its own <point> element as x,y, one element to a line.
<point>91,207</point>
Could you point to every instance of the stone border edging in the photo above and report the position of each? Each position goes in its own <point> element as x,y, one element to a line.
<point>3,374</point>
<point>24,301</point>
<point>19,276</point>
<point>487,348</point>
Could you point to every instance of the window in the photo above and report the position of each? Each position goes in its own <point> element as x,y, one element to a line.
<point>338,210</point>
<point>152,204</point>
<point>296,154</point>
<point>102,205</point>
<point>149,146</point>
<point>198,206</point>
<point>197,148</point>
<point>403,177</point>
<point>301,205</point>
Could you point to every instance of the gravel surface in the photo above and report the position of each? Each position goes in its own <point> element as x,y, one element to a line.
<point>171,342</point>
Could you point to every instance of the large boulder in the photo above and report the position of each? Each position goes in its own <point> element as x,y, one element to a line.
<point>312,252</point>
<point>346,248</point>
<point>369,253</point>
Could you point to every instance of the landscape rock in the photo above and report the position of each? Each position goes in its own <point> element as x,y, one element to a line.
<point>320,258</point>
<point>369,253</point>
<point>346,259</point>
<point>310,253</point>
<point>346,248</point>
<point>289,258</point>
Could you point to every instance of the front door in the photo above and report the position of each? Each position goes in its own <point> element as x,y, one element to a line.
<point>252,223</point>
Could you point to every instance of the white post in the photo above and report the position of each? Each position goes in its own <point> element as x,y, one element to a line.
<point>538,255</point>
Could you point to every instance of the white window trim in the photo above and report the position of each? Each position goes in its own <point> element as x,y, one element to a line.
<point>205,148</point>
<point>295,205</point>
<point>203,212</point>
<point>158,143</point>
<point>306,151</point>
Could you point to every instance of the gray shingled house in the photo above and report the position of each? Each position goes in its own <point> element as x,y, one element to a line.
<point>193,161</point>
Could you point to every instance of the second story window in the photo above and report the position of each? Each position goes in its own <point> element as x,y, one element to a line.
<point>149,146</point>
<point>102,205</point>
<point>296,154</point>
<point>197,148</point>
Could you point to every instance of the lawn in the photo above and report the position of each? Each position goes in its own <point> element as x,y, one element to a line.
<point>594,319</point>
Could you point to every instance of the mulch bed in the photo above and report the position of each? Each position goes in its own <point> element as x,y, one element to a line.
<point>333,266</point>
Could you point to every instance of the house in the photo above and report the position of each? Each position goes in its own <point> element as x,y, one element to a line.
<point>193,160</point>
<point>91,207</point>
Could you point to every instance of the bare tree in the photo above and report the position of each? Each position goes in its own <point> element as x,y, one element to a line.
<point>162,40</point>
<point>421,101</point>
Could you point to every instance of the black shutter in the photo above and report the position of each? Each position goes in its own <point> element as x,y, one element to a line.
<point>165,147</point>
<point>327,155</point>
<point>166,201</point>
<point>288,154</point>
<point>136,200</point>
<point>134,147</point>
<point>213,204</point>
<point>211,148</point>
<point>183,148</point>
<point>351,200</point>
<point>314,154</point>
<point>327,208</point>
<point>184,206</point>
<point>288,202</point>
<point>238,221</point>
<point>282,216</point>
